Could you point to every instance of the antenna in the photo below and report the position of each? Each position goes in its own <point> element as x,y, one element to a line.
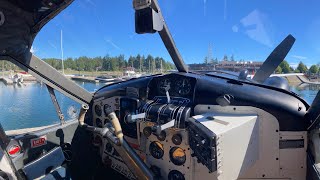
<point>62,54</point>
<point>209,56</point>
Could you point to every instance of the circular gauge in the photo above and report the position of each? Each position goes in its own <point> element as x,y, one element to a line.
<point>177,156</point>
<point>183,86</point>
<point>163,85</point>
<point>147,131</point>
<point>175,175</point>
<point>107,109</point>
<point>162,136</point>
<point>99,123</point>
<point>156,149</point>
<point>176,139</point>
<point>97,110</point>
<point>109,148</point>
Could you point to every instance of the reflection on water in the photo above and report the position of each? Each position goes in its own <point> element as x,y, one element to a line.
<point>307,91</point>
<point>29,105</point>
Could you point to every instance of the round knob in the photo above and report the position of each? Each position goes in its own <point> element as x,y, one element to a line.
<point>162,136</point>
<point>176,139</point>
<point>147,131</point>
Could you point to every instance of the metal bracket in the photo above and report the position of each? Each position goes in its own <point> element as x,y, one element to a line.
<point>56,104</point>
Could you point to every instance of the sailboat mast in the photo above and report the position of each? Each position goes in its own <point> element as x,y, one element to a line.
<point>62,53</point>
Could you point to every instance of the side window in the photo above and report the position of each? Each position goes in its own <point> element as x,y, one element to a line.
<point>26,102</point>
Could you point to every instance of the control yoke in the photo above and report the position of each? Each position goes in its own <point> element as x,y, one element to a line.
<point>115,135</point>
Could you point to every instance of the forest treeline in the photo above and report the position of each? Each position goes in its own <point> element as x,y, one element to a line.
<point>116,63</point>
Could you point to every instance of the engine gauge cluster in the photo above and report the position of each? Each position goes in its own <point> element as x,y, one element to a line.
<point>176,85</point>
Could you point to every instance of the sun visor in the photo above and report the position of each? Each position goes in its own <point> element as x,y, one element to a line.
<point>20,21</point>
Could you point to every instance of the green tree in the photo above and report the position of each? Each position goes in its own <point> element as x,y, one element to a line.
<point>225,58</point>
<point>206,61</point>
<point>285,66</point>
<point>302,68</point>
<point>291,69</point>
<point>278,70</point>
<point>314,69</point>
<point>107,63</point>
<point>232,58</point>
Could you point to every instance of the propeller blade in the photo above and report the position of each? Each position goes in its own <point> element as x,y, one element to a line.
<point>274,59</point>
<point>313,114</point>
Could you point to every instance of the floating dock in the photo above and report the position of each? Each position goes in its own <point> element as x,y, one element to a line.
<point>7,81</point>
<point>85,79</point>
<point>297,78</point>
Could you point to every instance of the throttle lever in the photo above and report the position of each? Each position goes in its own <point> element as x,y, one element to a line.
<point>104,132</point>
<point>158,128</point>
<point>131,118</point>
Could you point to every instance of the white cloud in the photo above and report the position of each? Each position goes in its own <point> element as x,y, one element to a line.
<point>204,7</point>
<point>52,45</point>
<point>235,28</point>
<point>256,25</point>
<point>299,57</point>
<point>225,10</point>
<point>91,2</point>
<point>112,44</point>
<point>293,65</point>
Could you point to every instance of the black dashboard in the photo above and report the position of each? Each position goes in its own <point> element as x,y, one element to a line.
<point>165,135</point>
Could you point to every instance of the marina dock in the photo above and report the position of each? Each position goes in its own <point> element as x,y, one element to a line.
<point>85,79</point>
<point>7,81</point>
<point>296,78</point>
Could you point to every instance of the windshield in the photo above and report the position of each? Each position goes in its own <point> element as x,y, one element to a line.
<point>222,30</point>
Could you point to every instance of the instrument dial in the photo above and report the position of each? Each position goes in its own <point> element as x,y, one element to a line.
<point>99,123</point>
<point>183,86</point>
<point>175,175</point>
<point>156,150</point>
<point>163,85</point>
<point>177,156</point>
<point>98,110</point>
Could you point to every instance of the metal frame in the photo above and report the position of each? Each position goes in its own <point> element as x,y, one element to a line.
<point>51,77</point>
<point>56,104</point>
<point>169,42</point>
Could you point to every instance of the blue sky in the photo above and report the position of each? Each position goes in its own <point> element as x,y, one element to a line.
<point>247,29</point>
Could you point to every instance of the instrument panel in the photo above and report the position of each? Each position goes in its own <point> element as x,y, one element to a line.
<point>178,138</point>
<point>176,85</point>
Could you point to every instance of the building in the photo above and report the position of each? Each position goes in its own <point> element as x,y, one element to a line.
<point>234,66</point>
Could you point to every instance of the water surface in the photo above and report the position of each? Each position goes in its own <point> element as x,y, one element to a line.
<point>30,105</point>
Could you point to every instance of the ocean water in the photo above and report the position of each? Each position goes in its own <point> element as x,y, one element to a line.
<point>30,105</point>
